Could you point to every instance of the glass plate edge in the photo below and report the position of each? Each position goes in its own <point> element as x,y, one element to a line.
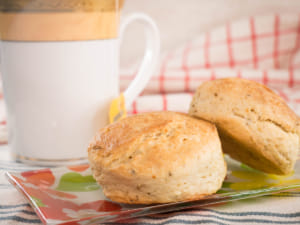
<point>10,178</point>
<point>210,200</point>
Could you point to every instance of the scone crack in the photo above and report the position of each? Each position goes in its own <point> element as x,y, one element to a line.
<point>97,147</point>
<point>278,125</point>
<point>259,119</point>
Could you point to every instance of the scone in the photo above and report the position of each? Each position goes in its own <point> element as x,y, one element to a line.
<point>157,157</point>
<point>255,125</point>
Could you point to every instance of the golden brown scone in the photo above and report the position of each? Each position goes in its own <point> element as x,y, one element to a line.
<point>157,157</point>
<point>255,125</point>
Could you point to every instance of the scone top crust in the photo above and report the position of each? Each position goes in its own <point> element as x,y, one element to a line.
<point>255,125</point>
<point>132,140</point>
<point>248,99</point>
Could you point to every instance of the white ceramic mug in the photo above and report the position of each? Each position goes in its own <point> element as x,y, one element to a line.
<point>58,92</point>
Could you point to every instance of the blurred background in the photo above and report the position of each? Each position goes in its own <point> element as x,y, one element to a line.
<point>181,20</point>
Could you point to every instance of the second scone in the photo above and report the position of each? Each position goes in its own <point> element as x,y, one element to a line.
<point>157,157</point>
<point>255,125</point>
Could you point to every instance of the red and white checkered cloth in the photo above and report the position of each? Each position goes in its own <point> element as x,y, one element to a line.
<point>261,48</point>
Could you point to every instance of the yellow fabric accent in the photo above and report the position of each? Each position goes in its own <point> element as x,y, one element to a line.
<point>117,109</point>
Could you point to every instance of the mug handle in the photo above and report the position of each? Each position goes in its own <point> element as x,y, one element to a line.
<point>150,58</point>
